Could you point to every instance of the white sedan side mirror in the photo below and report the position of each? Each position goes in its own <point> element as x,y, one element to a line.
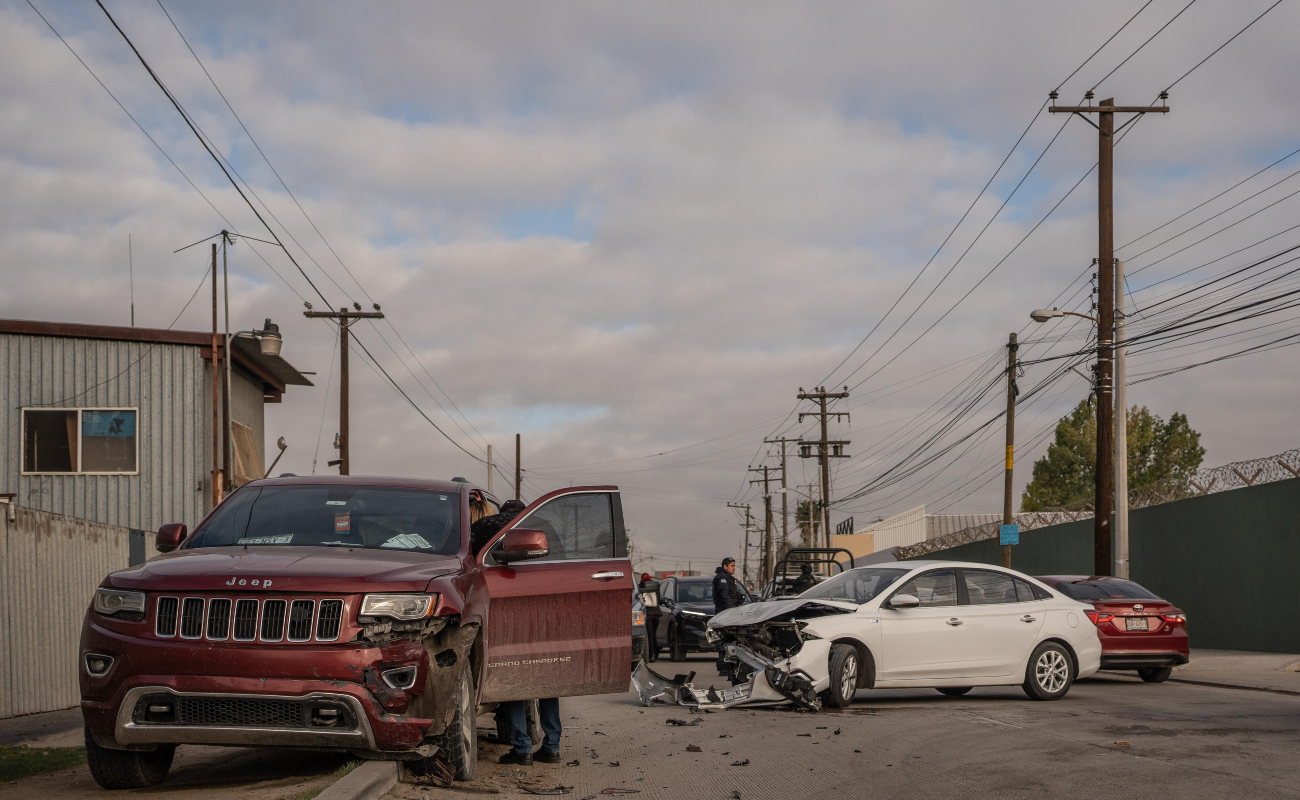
<point>903,601</point>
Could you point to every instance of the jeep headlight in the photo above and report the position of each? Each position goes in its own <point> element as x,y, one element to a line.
<point>398,606</point>
<point>111,601</point>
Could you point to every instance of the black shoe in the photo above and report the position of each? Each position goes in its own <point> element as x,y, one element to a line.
<point>547,756</point>
<point>522,759</point>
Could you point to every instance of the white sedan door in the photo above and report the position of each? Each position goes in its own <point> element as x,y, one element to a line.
<point>927,642</point>
<point>1003,625</point>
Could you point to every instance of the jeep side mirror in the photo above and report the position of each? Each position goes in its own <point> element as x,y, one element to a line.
<point>523,544</point>
<point>170,537</point>
<point>904,601</point>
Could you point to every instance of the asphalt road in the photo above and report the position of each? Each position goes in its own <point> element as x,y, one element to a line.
<point>1112,736</point>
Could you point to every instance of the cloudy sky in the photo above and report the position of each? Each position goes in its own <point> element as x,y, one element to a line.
<point>628,230</point>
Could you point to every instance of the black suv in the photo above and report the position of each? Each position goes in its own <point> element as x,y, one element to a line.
<point>687,606</point>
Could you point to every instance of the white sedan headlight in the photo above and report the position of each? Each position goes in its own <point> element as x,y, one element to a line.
<point>110,601</point>
<point>398,606</point>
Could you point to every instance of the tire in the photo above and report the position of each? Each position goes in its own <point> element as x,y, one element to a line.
<point>1155,674</point>
<point>460,740</point>
<point>1050,672</point>
<point>675,649</point>
<point>127,769</point>
<point>845,667</point>
<point>953,691</point>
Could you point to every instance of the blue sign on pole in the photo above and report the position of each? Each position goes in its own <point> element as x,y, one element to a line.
<point>1009,534</point>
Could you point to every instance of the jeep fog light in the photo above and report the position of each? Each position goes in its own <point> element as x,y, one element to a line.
<point>97,665</point>
<point>400,678</point>
<point>398,606</point>
<point>112,601</point>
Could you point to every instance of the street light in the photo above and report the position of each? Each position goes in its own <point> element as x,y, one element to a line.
<point>1044,314</point>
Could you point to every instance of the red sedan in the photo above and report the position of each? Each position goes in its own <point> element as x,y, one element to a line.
<point>1138,630</point>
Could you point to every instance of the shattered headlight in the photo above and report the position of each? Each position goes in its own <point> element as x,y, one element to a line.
<point>712,636</point>
<point>398,606</point>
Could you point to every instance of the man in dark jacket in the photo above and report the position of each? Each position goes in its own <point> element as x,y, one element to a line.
<point>726,589</point>
<point>805,581</point>
<point>726,594</point>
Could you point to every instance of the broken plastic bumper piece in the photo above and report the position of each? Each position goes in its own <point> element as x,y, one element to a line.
<point>767,685</point>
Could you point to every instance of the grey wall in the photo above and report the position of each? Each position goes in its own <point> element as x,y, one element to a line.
<point>1228,559</point>
<point>247,405</point>
<point>167,382</point>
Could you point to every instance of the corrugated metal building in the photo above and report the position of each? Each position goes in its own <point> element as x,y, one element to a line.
<point>910,527</point>
<point>114,425</point>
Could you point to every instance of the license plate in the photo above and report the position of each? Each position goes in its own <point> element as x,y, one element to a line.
<point>1136,624</point>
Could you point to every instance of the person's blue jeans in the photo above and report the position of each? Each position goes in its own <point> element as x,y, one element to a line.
<point>516,716</point>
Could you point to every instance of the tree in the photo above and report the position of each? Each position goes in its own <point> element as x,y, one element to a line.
<point>1158,452</point>
<point>808,519</point>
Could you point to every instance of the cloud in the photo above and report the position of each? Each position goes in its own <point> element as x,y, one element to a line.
<point>625,231</point>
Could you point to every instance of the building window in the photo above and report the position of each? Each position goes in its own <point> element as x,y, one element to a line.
<point>93,441</point>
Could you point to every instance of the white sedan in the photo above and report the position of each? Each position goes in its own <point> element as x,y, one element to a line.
<point>948,625</point>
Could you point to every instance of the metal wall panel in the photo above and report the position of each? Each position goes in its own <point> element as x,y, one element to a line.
<point>168,383</point>
<point>51,566</point>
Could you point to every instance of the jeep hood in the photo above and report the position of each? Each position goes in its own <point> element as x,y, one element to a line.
<point>758,613</point>
<point>315,570</point>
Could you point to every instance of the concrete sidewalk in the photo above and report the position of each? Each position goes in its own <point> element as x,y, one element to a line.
<point>1274,672</point>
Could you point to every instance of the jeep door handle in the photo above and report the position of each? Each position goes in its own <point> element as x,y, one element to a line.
<point>605,576</point>
<point>954,622</point>
<point>1029,618</point>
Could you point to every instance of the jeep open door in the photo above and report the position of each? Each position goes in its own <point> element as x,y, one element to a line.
<point>558,624</point>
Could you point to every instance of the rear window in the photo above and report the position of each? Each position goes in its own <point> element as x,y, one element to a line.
<point>1088,591</point>
<point>336,516</point>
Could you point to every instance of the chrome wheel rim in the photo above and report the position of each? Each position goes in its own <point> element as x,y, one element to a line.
<point>849,678</point>
<point>1052,671</point>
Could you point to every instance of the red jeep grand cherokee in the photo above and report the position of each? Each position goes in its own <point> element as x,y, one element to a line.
<point>1138,630</point>
<point>349,613</point>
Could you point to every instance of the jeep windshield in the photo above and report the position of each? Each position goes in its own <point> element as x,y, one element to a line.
<point>336,516</point>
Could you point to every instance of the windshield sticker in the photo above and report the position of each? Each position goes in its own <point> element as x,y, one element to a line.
<point>407,540</point>
<point>267,540</point>
<point>336,502</point>
<point>442,497</point>
<point>342,522</point>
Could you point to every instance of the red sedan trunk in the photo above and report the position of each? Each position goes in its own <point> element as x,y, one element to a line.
<point>1137,629</point>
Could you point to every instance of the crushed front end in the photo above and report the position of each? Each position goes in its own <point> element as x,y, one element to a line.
<point>768,656</point>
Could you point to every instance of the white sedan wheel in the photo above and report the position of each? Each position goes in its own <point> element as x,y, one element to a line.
<point>1052,671</point>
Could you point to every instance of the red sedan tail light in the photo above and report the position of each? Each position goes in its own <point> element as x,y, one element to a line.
<point>1098,617</point>
<point>1174,617</point>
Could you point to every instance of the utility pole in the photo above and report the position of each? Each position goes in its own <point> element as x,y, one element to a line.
<point>345,319</point>
<point>489,466</point>
<point>227,444</point>
<point>1012,391</point>
<point>785,508</point>
<point>744,568</point>
<point>1103,557</point>
<point>519,472</point>
<point>768,561</point>
<point>216,390</point>
<point>1121,434</point>
<point>826,449</point>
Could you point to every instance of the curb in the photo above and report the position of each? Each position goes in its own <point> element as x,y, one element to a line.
<point>1221,685</point>
<point>369,781</point>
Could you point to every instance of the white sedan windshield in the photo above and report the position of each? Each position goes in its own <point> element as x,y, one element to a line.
<point>856,585</point>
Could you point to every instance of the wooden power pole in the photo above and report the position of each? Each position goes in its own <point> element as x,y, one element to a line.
<point>826,448</point>
<point>519,470</point>
<point>768,562</point>
<point>1106,110</point>
<point>785,494</point>
<point>216,389</point>
<point>1012,349</point>
<point>744,567</point>
<point>345,318</point>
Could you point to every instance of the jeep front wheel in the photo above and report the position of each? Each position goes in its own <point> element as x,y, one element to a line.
<point>127,769</point>
<point>460,740</point>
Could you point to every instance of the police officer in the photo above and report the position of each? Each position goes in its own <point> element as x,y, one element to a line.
<point>726,594</point>
<point>805,581</point>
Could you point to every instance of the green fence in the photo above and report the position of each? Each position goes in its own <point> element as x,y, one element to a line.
<point>1231,560</point>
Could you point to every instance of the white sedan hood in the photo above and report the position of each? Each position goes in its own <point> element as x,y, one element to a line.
<point>757,613</point>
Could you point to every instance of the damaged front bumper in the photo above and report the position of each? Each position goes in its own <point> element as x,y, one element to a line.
<point>794,680</point>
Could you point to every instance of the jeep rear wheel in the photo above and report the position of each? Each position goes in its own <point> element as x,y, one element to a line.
<point>460,740</point>
<point>127,769</point>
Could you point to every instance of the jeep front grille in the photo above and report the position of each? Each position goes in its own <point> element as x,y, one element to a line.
<point>248,619</point>
<point>273,620</point>
<point>165,625</point>
<point>328,621</point>
<point>242,712</point>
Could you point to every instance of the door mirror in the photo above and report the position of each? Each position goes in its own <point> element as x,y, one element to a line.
<point>904,601</point>
<point>523,544</point>
<point>170,537</point>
